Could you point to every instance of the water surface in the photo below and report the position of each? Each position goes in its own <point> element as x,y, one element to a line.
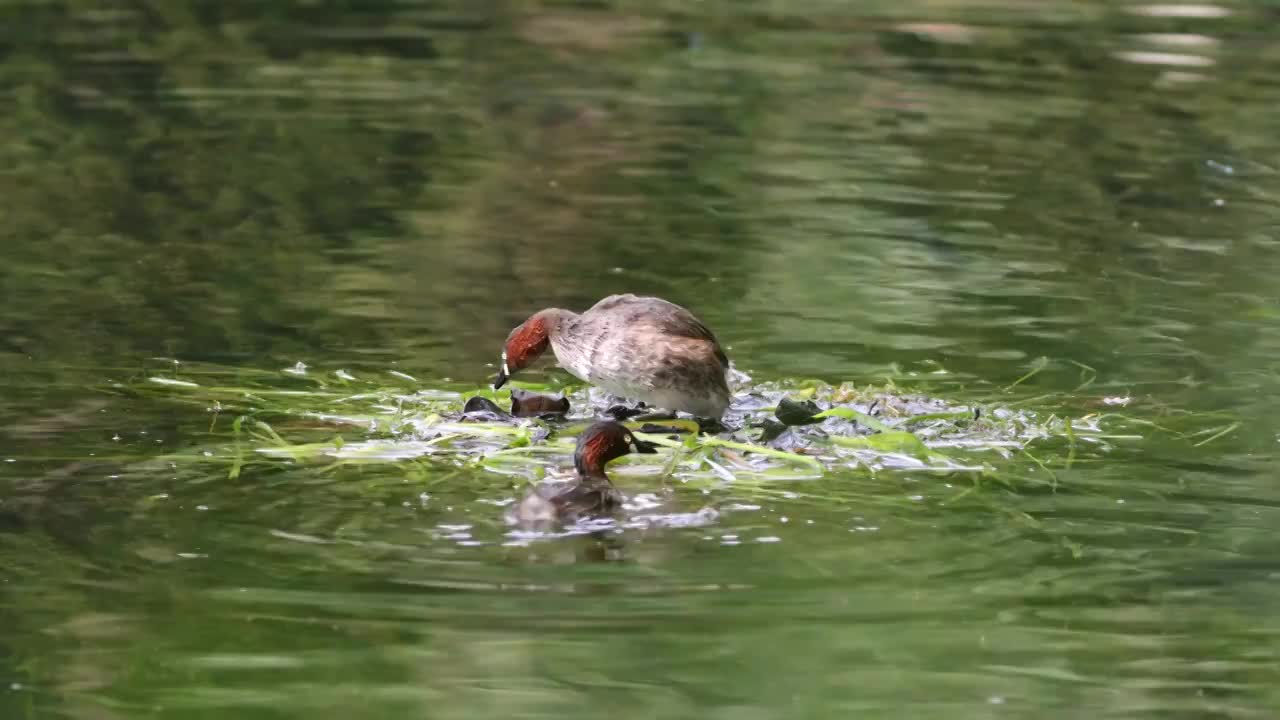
<point>940,192</point>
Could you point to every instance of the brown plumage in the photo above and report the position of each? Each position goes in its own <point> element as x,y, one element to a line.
<point>591,492</point>
<point>640,348</point>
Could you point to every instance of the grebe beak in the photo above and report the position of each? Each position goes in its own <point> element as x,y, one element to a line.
<point>501,379</point>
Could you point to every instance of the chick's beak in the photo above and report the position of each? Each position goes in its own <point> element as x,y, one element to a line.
<point>646,447</point>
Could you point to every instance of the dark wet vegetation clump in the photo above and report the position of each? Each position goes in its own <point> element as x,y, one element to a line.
<point>524,404</point>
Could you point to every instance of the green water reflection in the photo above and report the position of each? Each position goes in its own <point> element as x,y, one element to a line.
<point>834,187</point>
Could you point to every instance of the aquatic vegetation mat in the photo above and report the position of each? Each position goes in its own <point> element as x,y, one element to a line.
<point>774,432</point>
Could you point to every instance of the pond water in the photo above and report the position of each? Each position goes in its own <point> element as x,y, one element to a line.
<point>948,194</point>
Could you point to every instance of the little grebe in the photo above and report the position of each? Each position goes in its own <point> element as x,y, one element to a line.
<point>591,493</point>
<point>640,348</point>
